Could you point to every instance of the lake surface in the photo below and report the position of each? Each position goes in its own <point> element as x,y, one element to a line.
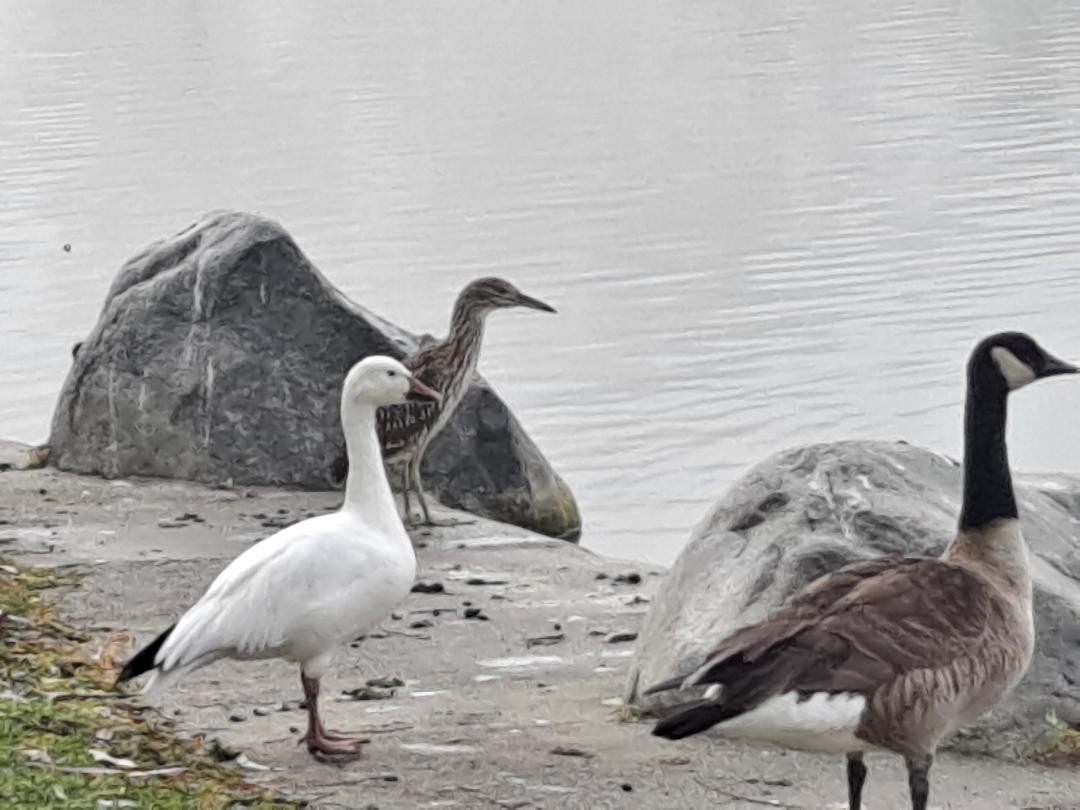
<point>763,224</point>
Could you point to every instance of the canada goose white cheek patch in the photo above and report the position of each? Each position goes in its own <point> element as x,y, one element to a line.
<point>1017,374</point>
<point>822,722</point>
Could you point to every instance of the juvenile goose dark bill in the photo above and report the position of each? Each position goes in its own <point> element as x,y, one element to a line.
<point>893,654</point>
<point>533,303</point>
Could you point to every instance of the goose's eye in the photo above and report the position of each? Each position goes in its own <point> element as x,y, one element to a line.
<point>392,373</point>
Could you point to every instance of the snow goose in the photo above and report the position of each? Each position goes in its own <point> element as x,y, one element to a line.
<point>893,654</point>
<point>314,586</point>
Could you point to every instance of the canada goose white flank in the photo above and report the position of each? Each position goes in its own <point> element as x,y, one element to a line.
<point>894,654</point>
<point>314,586</point>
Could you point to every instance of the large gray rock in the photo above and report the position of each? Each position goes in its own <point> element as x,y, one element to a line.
<point>807,511</point>
<point>219,356</point>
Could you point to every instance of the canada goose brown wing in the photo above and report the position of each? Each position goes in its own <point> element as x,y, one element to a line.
<point>912,615</point>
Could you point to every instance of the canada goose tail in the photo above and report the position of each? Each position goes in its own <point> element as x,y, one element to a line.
<point>692,718</point>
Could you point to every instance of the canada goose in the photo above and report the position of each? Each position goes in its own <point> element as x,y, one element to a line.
<point>407,429</point>
<point>893,654</point>
<point>314,586</point>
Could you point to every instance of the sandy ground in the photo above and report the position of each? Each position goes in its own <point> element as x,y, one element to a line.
<point>515,707</point>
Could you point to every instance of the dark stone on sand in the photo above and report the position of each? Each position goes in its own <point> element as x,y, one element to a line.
<point>428,587</point>
<point>807,511</point>
<point>219,357</point>
<point>545,641</point>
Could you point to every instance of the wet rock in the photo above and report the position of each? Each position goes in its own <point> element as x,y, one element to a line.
<point>809,510</point>
<point>216,338</point>
<point>19,456</point>
<point>428,587</point>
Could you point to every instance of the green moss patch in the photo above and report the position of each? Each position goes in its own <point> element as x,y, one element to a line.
<point>1059,744</point>
<point>69,739</point>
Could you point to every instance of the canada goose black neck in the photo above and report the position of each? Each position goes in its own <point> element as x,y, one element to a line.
<point>988,490</point>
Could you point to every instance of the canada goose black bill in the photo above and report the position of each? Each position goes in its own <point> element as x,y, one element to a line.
<point>893,654</point>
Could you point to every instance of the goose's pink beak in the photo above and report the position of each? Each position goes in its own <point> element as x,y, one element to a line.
<point>419,389</point>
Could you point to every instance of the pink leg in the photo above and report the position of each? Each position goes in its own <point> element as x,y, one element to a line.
<point>318,739</point>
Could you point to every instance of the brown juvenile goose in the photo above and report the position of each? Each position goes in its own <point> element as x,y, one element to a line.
<point>406,429</point>
<point>894,654</point>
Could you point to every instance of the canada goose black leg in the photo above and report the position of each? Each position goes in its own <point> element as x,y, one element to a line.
<point>856,775</point>
<point>918,768</point>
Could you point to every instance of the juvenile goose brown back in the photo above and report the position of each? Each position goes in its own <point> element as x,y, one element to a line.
<point>894,653</point>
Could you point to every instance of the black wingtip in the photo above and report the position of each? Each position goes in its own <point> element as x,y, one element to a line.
<point>143,660</point>
<point>690,719</point>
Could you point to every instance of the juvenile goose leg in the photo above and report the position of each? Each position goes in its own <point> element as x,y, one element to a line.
<point>856,775</point>
<point>918,768</point>
<point>406,517</point>
<point>414,475</point>
<point>318,739</point>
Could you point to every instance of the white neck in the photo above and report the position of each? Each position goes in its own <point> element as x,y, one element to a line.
<point>367,492</point>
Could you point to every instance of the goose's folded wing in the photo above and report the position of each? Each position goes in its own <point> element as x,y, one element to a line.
<point>401,423</point>
<point>255,601</point>
<point>921,615</point>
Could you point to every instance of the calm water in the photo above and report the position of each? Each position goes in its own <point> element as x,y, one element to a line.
<point>762,224</point>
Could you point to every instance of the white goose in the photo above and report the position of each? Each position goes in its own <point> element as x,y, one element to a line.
<point>314,586</point>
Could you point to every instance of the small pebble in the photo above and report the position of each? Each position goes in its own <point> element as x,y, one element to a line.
<point>260,711</point>
<point>620,637</point>
<point>475,613</point>
<point>568,751</point>
<point>628,579</point>
<point>544,641</point>
<point>237,718</point>
<point>385,683</point>
<point>627,787</point>
<point>428,587</point>
<point>420,625</point>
